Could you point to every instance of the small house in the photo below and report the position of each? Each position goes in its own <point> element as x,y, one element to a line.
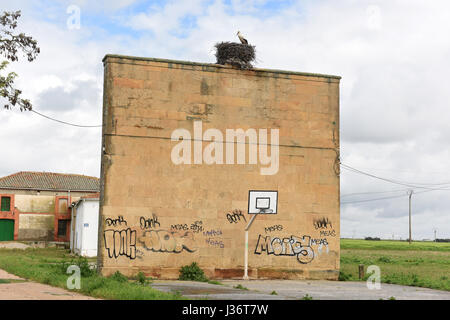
<point>84,226</point>
<point>35,206</point>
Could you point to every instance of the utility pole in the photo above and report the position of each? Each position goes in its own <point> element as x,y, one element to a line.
<point>410,192</point>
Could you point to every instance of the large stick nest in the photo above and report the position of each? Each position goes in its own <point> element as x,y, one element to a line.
<point>237,54</point>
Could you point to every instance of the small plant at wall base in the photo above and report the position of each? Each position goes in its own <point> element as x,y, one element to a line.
<point>240,286</point>
<point>142,279</point>
<point>119,277</point>
<point>192,272</point>
<point>344,276</point>
<point>85,269</point>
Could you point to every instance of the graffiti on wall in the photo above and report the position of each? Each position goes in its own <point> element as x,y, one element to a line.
<point>168,241</point>
<point>120,243</point>
<point>292,246</point>
<point>277,227</point>
<point>236,216</point>
<point>322,245</point>
<point>148,223</point>
<point>322,223</point>
<point>213,238</point>
<point>119,221</point>
<point>195,227</point>
<point>325,227</point>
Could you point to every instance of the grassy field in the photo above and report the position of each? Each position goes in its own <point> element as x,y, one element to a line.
<point>422,264</point>
<point>49,266</point>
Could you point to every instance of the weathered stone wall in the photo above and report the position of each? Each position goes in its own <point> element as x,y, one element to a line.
<point>35,203</point>
<point>157,216</point>
<point>36,227</point>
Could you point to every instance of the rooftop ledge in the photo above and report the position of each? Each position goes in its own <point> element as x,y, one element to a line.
<point>217,66</point>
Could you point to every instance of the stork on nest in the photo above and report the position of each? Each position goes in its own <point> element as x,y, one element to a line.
<point>237,54</point>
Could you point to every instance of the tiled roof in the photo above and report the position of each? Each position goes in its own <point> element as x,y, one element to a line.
<point>50,181</point>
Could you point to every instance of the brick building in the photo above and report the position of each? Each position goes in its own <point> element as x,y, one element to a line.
<point>36,205</point>
<point>175,188</point>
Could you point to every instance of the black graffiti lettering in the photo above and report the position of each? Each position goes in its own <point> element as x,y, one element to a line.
<point>235,216</point>
<point>120,243</point>
<point>319,242</point>
<point>306,255</point>
<point>328,233</point>
<point>168,241</point>
<point>264,244</point>
<point>182,227</point>
<point>148,223</point>
<point>292,246</point>
<point>115,222</point>
<point>322,223</point>
<point>197,227</point>
<point>277,227</point>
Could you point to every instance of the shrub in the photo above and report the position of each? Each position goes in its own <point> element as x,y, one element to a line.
<point>192,272</point>
<point>85,269</point>
<point>384,259</point>
<point>240,286</point>
<point>141,278</point>
<point>117,276</point>
<point>344,276</point>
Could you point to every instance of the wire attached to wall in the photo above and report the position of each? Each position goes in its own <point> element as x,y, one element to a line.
<point>64,122</point>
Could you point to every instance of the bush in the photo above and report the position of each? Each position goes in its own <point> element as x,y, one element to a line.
<point>117,276</point>
<point>240,286</point>
<point>192,272</point>
<point>85,269</point>
<point>344,276</point>
<point>384,259</point>
<point>141,278</point>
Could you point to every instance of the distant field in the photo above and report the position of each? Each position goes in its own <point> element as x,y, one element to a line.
<point>422,264</point>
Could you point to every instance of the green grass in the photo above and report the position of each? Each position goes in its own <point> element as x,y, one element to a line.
<point>47,266</point>
<point>11,281</point>
<point>395,245</point>
<point>240,286</point>
<point>421,264</point>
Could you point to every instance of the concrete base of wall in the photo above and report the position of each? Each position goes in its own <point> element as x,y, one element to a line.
<point>234,273</point>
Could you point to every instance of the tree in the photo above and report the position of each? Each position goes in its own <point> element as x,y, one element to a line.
<point>10,45</point>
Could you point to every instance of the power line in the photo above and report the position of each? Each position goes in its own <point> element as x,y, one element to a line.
<point>403,183</point>
<point>64,122</point>
<point>376,199</point>
<point>372,192</point>
<point>411,185</point>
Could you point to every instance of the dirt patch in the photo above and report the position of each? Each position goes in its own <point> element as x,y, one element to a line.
<point>13,245</point>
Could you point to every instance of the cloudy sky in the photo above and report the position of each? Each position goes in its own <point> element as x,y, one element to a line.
<point>393,56</point>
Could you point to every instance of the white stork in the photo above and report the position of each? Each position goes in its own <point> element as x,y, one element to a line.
<point>243,40</point>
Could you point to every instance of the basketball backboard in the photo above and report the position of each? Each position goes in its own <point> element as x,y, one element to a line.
<point>262,201</point>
